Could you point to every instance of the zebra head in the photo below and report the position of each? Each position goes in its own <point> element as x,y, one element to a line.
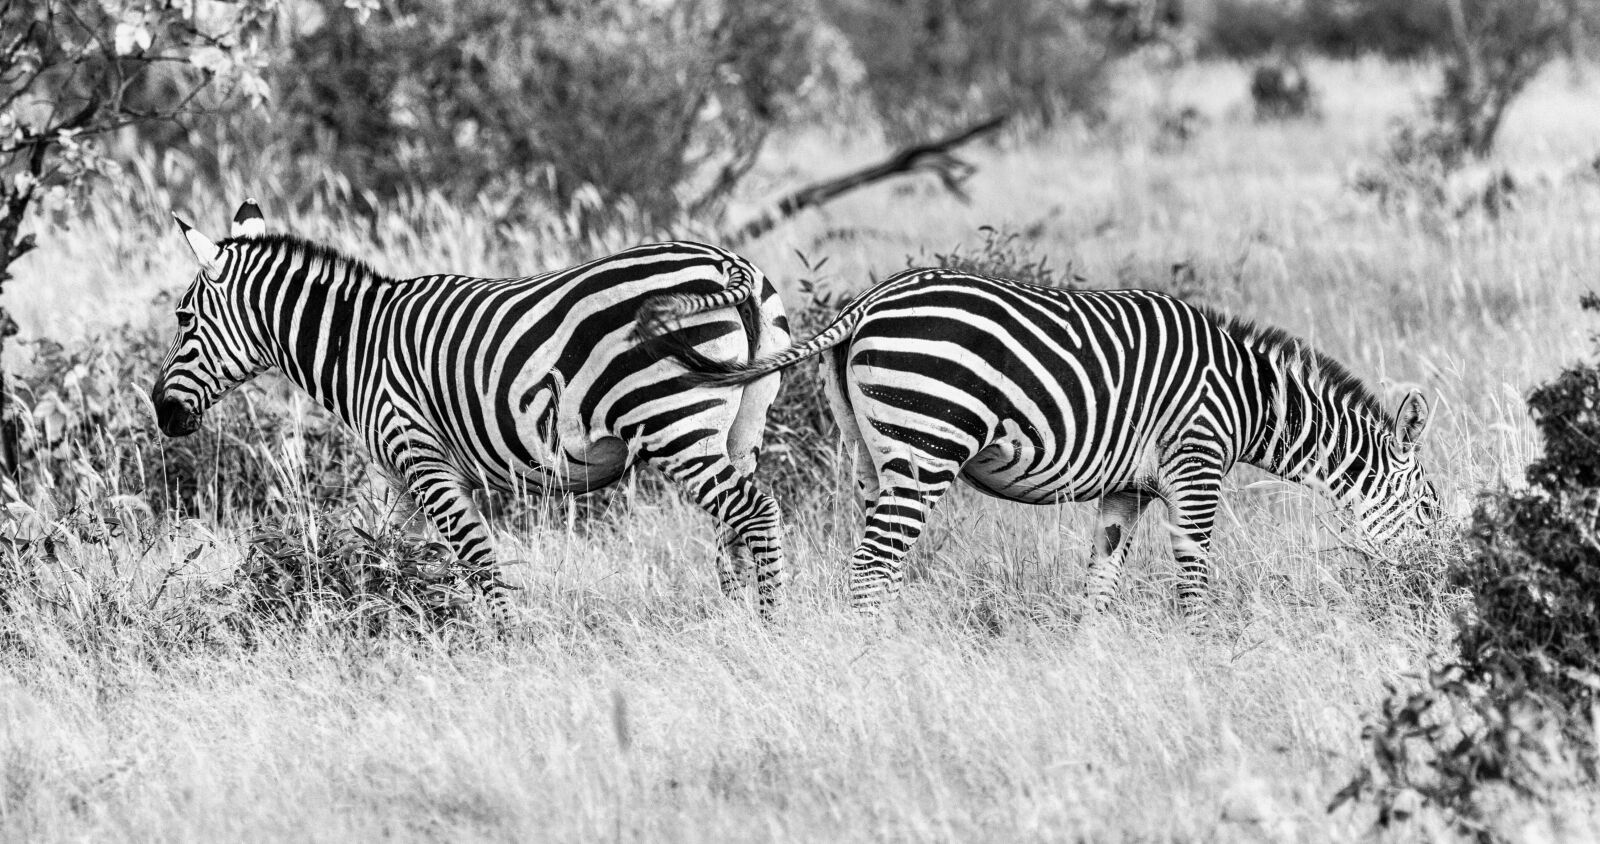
<point>214,351</point>
<point>1401,497</point>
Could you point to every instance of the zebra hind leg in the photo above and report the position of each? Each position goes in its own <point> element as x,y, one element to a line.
<point>712,482</point>
<point>849,430</point>
<point>908,489</point>
<point>735,568</point>
<point>1119,512</point>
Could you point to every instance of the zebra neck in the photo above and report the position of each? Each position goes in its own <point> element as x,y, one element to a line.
<point>1316,436</point>
<point>319,321</point>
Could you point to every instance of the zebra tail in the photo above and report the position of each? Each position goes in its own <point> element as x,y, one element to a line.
<point>710,372</point>
<point>656,314</point>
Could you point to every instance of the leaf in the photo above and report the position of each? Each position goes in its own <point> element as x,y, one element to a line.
<point>212,60</point>
<point>131,37</point>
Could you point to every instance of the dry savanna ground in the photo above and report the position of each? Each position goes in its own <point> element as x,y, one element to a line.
<point>634,703</point>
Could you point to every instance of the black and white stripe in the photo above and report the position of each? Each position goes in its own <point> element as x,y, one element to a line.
<point>537,383</point>
<point>1043,395</point>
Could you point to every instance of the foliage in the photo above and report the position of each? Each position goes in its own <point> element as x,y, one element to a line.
<point>659,107</point>
<point>1281,90</point>
<point>1007,254</point>
<point>72,71</point>
<point>1513,708</point>
<point>1495,48</point>
<point>328,569</point>
<point>87,432</point>
<point>1399,29</point>
<point>929,65</point>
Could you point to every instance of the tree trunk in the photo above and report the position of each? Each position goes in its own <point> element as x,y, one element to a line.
<point>13,245</point>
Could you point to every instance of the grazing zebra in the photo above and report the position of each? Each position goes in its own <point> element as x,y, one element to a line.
<point>513,383</point>
<point>1043,395</point>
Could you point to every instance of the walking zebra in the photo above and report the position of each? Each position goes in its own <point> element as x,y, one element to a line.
<point>1042,395</point>
<point>514,383</point>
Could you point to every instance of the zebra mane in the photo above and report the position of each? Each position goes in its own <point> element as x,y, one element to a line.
<point>1322,370</point>
<point>309,249</point>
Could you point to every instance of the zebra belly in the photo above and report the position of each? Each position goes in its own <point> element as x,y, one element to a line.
<point>1012,470</point>
<point>571,469</point>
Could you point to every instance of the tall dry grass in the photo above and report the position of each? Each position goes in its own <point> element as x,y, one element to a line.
<point>632,702</point>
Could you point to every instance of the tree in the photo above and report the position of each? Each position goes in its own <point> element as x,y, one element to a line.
<point>74,70</point>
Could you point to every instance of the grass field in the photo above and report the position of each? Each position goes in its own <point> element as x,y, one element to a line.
<point>634,703</point>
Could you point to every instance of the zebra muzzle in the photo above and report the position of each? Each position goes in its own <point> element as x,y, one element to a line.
<point>176,418</point>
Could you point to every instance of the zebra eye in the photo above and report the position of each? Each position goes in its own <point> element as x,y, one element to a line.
<point>185,319</point>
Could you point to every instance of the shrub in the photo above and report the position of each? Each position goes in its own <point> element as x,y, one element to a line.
<point>604,109</point>
<point>1006,254</point>
<point>1400,29</point>
<point>928,65</point>
<point>325,568</point>
<point>89,433</point>
<point>1281,90</point>
<point>1512,708</point>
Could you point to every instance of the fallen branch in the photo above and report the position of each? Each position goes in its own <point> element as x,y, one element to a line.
<point>932,156</point>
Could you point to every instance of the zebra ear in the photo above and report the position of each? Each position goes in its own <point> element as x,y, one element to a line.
<point>247,221</point>
<point>1412,419</point>
<point>206,253</point>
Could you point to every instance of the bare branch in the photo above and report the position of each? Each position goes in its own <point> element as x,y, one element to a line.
<point>933,156</point>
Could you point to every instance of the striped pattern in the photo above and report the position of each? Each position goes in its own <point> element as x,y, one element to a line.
<point>516,384</point>
<point>1041,395</point>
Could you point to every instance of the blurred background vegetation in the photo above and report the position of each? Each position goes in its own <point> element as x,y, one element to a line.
<point>646,111</point>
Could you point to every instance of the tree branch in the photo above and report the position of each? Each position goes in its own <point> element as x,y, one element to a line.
<point>933,155</point>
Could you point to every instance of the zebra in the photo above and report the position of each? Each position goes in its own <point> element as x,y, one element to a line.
<point>1043,395</point>
<point>456,383</point>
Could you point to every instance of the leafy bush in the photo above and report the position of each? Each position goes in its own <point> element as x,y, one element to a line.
<point>1513,708</point>
<point>328,569</point>
<point>930,64</point>
<point>1006,254</point>
<point>1281,90</point>
<point>1393,28</point>
<point>605,108</point>
<point>88,433</point>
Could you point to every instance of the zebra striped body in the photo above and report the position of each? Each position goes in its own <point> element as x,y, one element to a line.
<point>513,384</point>
<point>1043,395</point>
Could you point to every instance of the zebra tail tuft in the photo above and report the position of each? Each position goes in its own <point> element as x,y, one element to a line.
<point>704,370</point>
<point>655,317</point>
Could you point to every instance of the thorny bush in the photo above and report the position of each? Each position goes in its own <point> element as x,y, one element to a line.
<point>1513,709</point>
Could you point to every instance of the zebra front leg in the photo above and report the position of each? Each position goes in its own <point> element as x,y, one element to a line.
<point>1192,490</point>
<point>896,517</point>
<point>712,482</point>
<point>442,496</point>
<point>1119,512</point>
